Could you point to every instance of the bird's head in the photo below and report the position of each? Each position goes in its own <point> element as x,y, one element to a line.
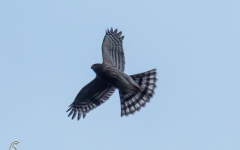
<point>96,67</point>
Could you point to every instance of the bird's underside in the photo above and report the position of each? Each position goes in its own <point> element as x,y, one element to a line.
<point>134,90</point>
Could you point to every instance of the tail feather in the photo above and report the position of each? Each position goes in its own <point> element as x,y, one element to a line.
<point>130,103</point>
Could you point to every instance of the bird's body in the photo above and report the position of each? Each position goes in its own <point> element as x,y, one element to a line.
<point>134,90</point>
<point>116,78</point>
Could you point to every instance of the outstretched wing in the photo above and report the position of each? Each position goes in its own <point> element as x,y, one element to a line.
<point>112,49</point>
<point>92,95</point>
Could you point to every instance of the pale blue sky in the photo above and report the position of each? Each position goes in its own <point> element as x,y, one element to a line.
<point>48,47</point>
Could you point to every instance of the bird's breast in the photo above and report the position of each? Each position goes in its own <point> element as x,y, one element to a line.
<point>111,76</point>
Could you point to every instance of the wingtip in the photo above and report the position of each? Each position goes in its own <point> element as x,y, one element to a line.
<point>69,109</point>
<point>120,33</point>
<point>84,115</point>
<point>74,114</point>
<point>70,113</point>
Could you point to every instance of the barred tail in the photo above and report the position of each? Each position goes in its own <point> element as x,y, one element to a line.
<point>133,102</point>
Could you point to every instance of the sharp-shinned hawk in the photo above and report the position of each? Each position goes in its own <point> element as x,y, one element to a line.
<point>134,90</point>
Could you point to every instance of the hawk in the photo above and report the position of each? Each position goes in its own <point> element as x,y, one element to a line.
<point>134,90</point>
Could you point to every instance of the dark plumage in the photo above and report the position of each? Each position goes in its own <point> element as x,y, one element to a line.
<point>134,90</point>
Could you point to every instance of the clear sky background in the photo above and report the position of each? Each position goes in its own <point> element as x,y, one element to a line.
<point>47,49</point>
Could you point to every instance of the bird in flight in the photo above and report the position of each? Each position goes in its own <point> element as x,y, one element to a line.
<point>134,90</point>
